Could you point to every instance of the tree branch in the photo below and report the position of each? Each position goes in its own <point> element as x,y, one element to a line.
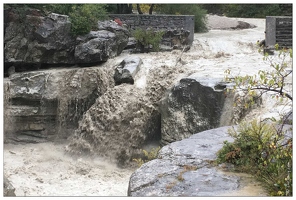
<point>274,90</point>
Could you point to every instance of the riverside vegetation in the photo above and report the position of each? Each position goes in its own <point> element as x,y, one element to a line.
<point>264,148</point>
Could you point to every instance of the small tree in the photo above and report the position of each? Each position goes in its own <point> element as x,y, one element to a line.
<point>273,81</point>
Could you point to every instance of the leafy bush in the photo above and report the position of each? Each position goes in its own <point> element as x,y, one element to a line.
<point>268,81</point>
<point>147,37</point>
<point>149,155</point>
<point>252,10</point>
<point>84,18</point>
<point>261,149</point>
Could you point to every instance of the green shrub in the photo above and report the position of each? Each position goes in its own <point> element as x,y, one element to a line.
<point>260,148</point>
<point>84,17</point>
<point>252,10</point>
<point>149,155</point>
<point>147,37</point>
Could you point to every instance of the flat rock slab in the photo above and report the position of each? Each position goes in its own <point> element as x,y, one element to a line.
<point>184,168</point>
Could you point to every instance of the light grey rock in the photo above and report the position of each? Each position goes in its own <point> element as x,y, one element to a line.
<point>183,168</point>
<point>126,71</point>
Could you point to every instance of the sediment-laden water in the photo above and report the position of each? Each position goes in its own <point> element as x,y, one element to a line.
<point>46,169</point>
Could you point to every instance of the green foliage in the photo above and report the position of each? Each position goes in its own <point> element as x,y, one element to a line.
<point>84,18</point>
<point>267,81</point>
<point>186,9</point>
<point>144,7</point>
<point>249,10</point>
<point>252,10</point>
<point>149,155</point>
<point>147,37</point>
<point>217,9</point>
<point>260,148</point>
<point>22,10</point>
<point>64,9</point>
<point>111,8</point>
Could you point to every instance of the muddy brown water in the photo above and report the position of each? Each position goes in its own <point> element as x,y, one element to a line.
<point>45,170</point>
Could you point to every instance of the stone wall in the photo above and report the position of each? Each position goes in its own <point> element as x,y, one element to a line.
<point>279,31</point>
<point>159,22</point>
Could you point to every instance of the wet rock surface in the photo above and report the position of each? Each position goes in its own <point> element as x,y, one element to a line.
<point>39,39</point>
<point>98,46</point>
<point>196,104</point>
<point>45,105</point>
<point>127,70</point>
<point>211,54</point>
<point>8,189</point>
<point>36,41</point>
<point>184,168</point>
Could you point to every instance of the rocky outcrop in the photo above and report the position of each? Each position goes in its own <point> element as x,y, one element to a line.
<point>184,168</point>
<point>126,71</point>
<point>32,39</point>
<point>197,104</point>
<point>97,46</point>
<point>39,39</point>
<point>44,105</point>
<point>8,189</point>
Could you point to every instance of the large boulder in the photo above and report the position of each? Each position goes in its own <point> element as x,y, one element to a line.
<point>97,46</point>
<point>197,104</point>
<point>121,34</point>
<point>184,168</point>
<point>38,39</point>
<point>32,38</point>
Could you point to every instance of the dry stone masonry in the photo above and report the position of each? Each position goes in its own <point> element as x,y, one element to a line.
<point>179,24</point>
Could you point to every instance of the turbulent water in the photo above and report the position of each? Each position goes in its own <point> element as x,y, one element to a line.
<point>122,113</point>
